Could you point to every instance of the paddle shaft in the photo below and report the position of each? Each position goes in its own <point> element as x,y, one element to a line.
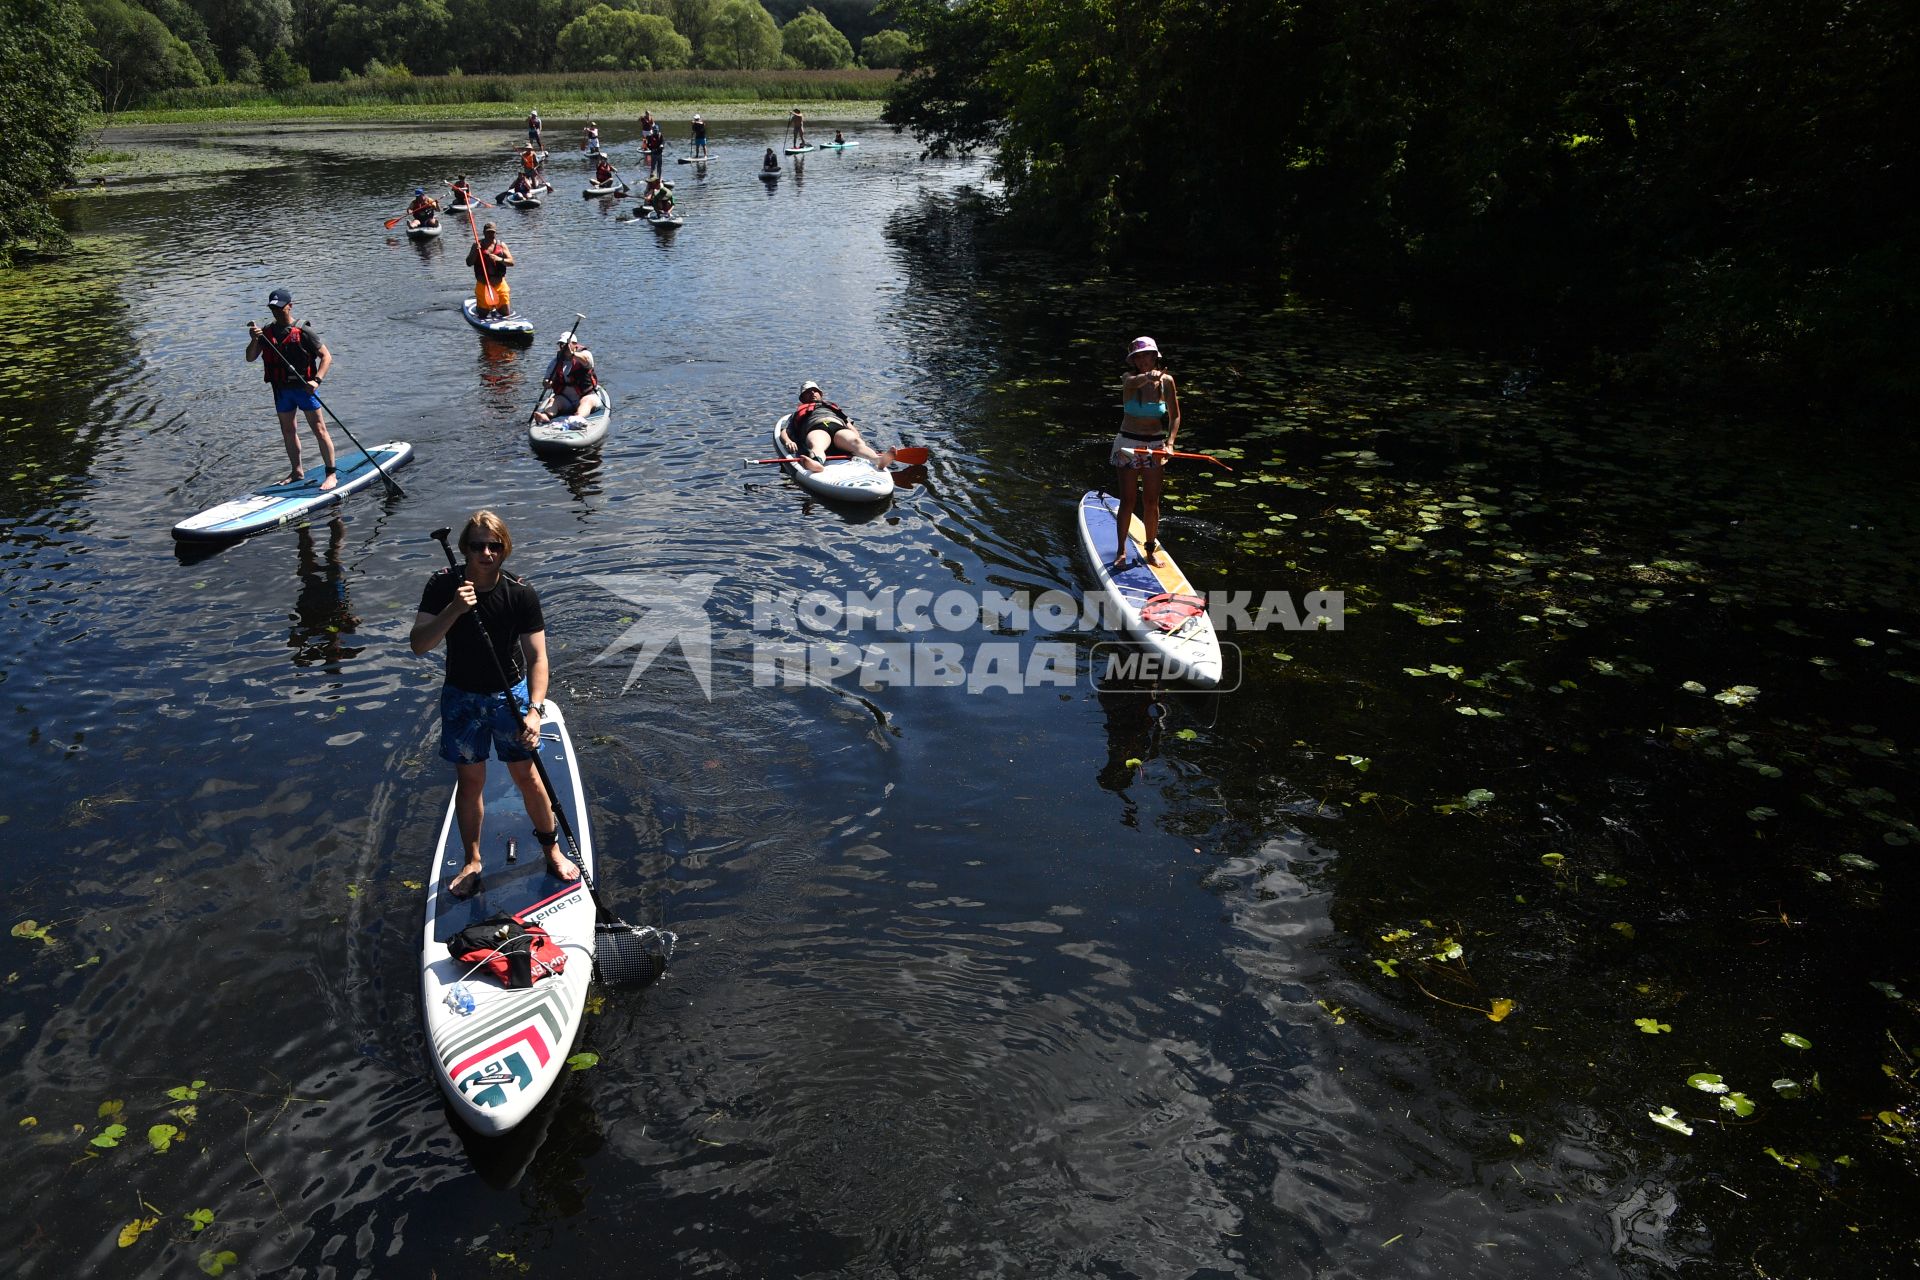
<point>391,484</point>
<point>545,387</point>
<point>1171,453</point>
<point>907,455</point>
<point>553,797</point>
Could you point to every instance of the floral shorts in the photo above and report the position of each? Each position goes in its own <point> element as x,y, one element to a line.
<point>470,722</point>
<point>1135,461</point>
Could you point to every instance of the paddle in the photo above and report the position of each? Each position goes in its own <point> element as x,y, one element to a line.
<point>621,951</point>
<point>391,221</point>
<point>336,421</point>
<point>469,199</point>
<point>486,277</point>
<point>907,455</point>
<point>1163,453</point>
<point>552,364</point>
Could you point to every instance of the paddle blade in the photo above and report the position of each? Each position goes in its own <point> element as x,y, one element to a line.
<point>910,455</point>
<point>627,955</point>
<point>391,221</point>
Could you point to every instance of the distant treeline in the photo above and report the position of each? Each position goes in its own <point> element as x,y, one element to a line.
<point>149,49</point>
<point>1683,189</point>
<point>551,90</point>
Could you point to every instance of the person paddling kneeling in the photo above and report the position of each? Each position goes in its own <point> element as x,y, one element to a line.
<point>476,713</point>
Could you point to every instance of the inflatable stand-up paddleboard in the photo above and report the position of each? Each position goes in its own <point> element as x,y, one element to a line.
<point>564,437</point>
<point>271,506</point>
<point>1156,603</point>
<point>512,326</point>
<point>854,480</point>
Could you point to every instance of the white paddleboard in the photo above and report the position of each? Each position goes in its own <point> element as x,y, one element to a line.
<point>563,437</point>
<point>800,151</point>
<point>1192,651</point>
<point>854,480</point>
<point>273,505</point>
<point>695,159</point>
<point>495,1064</point>
<point>837,146</point>
<point>612,189</point>
<point>511,325</point>
<point>421,230</point>
<point>667,223</point>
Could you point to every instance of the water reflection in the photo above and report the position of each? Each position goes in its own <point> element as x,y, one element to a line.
<point>322,613</point>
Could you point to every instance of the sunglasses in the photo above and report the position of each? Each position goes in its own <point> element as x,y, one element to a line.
<point>498,548</point>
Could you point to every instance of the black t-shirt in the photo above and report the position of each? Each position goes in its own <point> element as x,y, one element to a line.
<point>509,610</point>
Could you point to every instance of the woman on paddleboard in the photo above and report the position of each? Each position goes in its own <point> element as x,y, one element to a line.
<point>1149,421</point>
<point>295,367</point>
<point>476,713</point>
<point>818,423</point>
<point>574,382</point>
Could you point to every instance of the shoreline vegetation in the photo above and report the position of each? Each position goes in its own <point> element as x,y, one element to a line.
<point>479,97</point>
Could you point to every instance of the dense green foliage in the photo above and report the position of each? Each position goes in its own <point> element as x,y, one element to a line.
<point>138,54</point>
<point>604,39</point>
<point>811,41</point>
<point>1717,184</point>
<point>45,98</point>
<point>886,48</point>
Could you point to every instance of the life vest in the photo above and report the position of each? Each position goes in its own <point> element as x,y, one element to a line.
<point>291,345</point>
<point>488,265</point>
<point>798,423</point>
<point>577,374</point>
<point>603,173</point>
<point>425,204</point>
<point>529,163</point>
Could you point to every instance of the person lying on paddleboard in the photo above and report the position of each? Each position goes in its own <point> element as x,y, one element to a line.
<point>1149,419</point>
<point>699,135</point>
<point>424,210</point>
<point>490,259</point>
<point>818,423</point>
<point>476,713</point>
<point>575,383</point>
<point>295,368</point>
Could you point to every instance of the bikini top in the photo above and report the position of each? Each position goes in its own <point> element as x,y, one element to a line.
<point>1134,407</point>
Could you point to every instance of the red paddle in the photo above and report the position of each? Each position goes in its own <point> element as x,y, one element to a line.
<point>907,455</point>
<point>1164,453</point>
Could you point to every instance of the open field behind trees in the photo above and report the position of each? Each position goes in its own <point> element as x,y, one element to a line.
<point>545,91</point>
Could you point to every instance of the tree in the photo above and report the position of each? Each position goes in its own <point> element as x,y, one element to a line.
<point>606,39</point>
<point>185,23</point>
<point>280,72</point>
<point>743,37</point>
<point>811,41</point>
<point>888,48</point>
<point>138,55</point>
<point>694,19</point>
<point>44,102</point>
<point>259,25</point>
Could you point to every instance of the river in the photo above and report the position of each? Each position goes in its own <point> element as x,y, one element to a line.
<point>1387,961</point>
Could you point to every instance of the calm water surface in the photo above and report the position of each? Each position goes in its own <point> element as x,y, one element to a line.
<point>1075,981</point>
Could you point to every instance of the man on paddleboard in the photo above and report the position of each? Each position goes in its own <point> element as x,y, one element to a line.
<point>476,713</point>
<point>296,365</point>
<point>798,126</point>
<point>817,423</point>
<point>699,135</point>
<point>490,259</point>
<point>533,130</point>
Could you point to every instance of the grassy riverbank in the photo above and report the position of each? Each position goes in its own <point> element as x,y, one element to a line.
<point>481,97</point>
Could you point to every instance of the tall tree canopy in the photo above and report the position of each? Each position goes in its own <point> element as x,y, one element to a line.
<point>743,37</point>
<point>810,40</point>
<point>44,100</point>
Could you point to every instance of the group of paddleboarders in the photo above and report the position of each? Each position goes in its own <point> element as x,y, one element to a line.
<point>489,703</point>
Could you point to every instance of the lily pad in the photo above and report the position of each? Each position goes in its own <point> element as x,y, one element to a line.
<point>1793,1041</point>
<point>1652,1026</point>
<point>1668,1118</point>
<point>581,1061</point>
<point>1707,1082</point>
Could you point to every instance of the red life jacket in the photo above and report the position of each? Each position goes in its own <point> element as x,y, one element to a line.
<point>603,173</point>
<point>291,346</point>
<point>577,374</point>
<point>800,415</point>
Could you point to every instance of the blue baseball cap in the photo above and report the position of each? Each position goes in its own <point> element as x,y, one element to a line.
<point>279,298</point>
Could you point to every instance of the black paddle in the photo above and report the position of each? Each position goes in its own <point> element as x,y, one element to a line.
<point>551,365</point>
<point>623,953</point>
<point>336,419</point>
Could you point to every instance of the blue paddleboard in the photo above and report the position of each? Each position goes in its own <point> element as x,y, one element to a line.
<point>278,504</point>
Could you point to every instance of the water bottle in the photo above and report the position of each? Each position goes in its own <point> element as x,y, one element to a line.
<point>459,999</point>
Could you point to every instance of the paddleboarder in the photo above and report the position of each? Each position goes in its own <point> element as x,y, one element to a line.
<point>424,210</point>
<point>462,190</point>
<point>575,382</point>
<point>530,165</point>
<point>818,422</point>
<point>295,368</point>
<point>476,712</point>
<point>590,139</point>
<point>602,171</point>
<point>1150,419</point>
<point>490,259</point>
<point>533,130</point>
<point>699,135</point>
<point>798,125</point>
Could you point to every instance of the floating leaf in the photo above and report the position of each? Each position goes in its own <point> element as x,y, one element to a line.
<point>200,1219</point>
<point>186,1092</point>
<point>1707,1082</point>
<point>1793,1041</point>
<point>1476,797</point>
<point>1668,1118</point>
<point>111,1107</point>
<point>1787,1088</point>
<point>1738,696</point>
<point>581,1061</point>
<point>29,1122</point>
<point>161,1136</point>
<point>1389,967</point>
<point>1738,1103</point>
<point>109,1136</point>
<point>1187,735</point>
<point>1858,863</point>
<point>1761,814</point>
<point>1888,990</point>
<point>1651,1026</point>
<point>1516,1140</point>
<point>1622,928</point>
<point>1133,762</point>
<point>33,929</point>
<point>1694,686</point>
<point>1499,1009</point>
<point>135,1229</point>
<point>1607,880</point>
<point>1449,950</point>
<point>214,1263</point>
<point>1554,860</point>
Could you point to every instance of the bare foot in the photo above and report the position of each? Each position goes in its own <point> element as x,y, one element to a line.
<point>812,463</point>
<point>466,883</point>
<point>884,459</point>
<point>541,417</point>
<point>295,476</point>
<point>561,865</point>
<point>332,479</point>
